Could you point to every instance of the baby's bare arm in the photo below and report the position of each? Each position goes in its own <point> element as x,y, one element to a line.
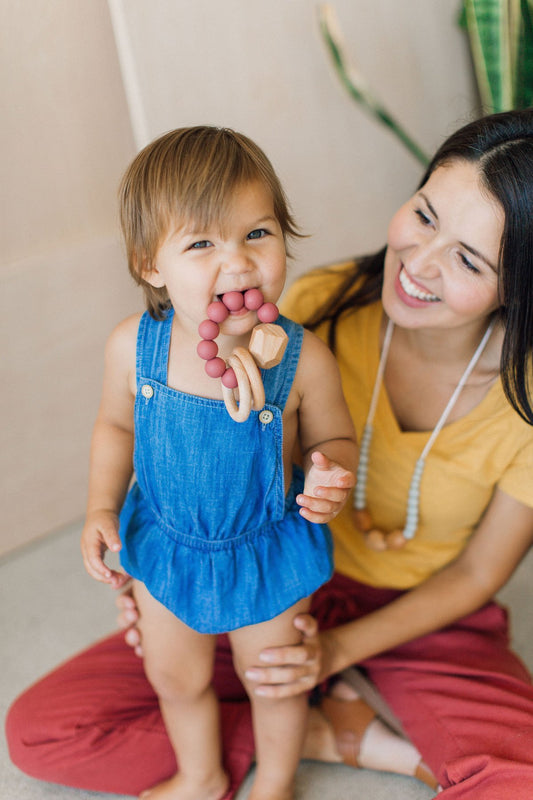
<point>111,453</point>
<point>326,433</point>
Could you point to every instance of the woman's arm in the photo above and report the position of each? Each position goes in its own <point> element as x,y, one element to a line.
<point>494,551</point>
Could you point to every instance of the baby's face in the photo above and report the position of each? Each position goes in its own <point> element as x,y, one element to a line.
<point>246,251</point>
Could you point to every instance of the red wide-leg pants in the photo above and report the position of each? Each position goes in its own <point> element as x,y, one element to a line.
<point>462,696</point>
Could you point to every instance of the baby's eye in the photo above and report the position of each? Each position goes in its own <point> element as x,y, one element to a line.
<point>200,245</point>
<point>259,233</point>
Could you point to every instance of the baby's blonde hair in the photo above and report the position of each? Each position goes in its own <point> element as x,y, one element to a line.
<point>187,175</point>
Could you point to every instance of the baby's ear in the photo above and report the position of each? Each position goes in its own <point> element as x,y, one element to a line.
<point>150,274</point>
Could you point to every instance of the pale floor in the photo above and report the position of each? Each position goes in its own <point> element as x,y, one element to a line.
<point>51,609</point>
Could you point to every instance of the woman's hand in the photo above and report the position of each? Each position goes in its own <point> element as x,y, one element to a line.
<point>292,670</point>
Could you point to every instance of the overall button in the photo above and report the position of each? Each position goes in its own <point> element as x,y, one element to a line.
<point>147,391</point>
<point>266,416</point>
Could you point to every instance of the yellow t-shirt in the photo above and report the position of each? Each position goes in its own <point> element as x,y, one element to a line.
<point>491,446</point>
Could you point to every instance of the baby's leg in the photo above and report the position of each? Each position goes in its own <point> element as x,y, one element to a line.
<point>178,662</point>
<point>279,725</point>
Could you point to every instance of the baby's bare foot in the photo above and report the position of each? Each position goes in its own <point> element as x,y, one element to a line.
<point>271,795</point>
<point>182,788</point>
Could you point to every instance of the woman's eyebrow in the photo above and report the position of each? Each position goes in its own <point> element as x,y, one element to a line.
<point>478,255</point>
<point>426,200</point>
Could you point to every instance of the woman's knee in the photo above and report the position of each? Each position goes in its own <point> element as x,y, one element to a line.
<point>28,730</point>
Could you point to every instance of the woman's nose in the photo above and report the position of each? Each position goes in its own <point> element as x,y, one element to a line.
<point>424,260</point>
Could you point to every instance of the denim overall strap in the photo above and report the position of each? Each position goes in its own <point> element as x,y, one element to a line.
<point>153,344</point>
<point>278,380</point>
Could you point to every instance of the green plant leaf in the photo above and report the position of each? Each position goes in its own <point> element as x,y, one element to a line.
<point>501,41</point>
<point>524,62</point>
<point>488,31</point>
<point>355,84</point>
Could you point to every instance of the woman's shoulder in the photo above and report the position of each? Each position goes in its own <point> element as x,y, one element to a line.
<point>312,289</point>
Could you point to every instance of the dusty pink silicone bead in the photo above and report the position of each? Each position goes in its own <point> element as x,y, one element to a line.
<point>233,300</point>
<point>229,379</point>
<point>208,329</point>
<point>216,367</point>
<point>207,349</point>
<point>268,313</point>
<point>217,311</point>
<point>253,299</point>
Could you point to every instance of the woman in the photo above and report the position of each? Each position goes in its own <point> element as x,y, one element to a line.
<point>433,336</point>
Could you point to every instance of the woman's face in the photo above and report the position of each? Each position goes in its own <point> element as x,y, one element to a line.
<point>441,264</point>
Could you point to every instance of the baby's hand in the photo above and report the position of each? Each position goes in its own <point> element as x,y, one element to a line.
<point>100,533</point>
<point>326,489</point>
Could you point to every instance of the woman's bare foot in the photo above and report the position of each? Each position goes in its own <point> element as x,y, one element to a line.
<point>319,744</point>
<point>379,749</point>
<point>180,787</point>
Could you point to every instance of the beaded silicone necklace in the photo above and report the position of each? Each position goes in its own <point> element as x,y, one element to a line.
<point>241,371</point>
<point>376,539</point>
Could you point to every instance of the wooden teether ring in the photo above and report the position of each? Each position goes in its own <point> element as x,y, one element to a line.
<point>240,412</point>
<point>254,377</point>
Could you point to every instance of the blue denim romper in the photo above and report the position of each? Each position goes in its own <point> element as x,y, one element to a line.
<point>208,526</point>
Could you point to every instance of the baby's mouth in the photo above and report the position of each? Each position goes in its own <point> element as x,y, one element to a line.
<point>413,290</point>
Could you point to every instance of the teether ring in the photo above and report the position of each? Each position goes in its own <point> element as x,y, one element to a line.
<point>241,412</point>
<point>254,376</point>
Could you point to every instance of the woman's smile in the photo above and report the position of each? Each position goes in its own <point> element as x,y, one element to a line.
<point>413,289</point>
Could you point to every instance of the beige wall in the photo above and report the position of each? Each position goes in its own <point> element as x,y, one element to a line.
<point>261,67</point>
<point>66,136</point>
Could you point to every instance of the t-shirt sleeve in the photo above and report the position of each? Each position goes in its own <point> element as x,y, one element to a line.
<point>517,480</point>
<point>308,293</point>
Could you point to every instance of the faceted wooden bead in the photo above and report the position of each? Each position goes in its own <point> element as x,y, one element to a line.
<point>376,540</point>
<point>362,519</point>
<point>267,344</point>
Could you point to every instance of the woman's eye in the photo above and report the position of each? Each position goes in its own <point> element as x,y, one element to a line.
<point>200,245</point>
<point>258,233</point>
<point>424,219</point>
<point>468,264</point>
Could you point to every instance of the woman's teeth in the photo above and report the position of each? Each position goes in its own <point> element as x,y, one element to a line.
<point>413,291</point>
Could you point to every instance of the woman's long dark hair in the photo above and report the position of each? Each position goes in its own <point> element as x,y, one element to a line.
<point>502,147</point>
